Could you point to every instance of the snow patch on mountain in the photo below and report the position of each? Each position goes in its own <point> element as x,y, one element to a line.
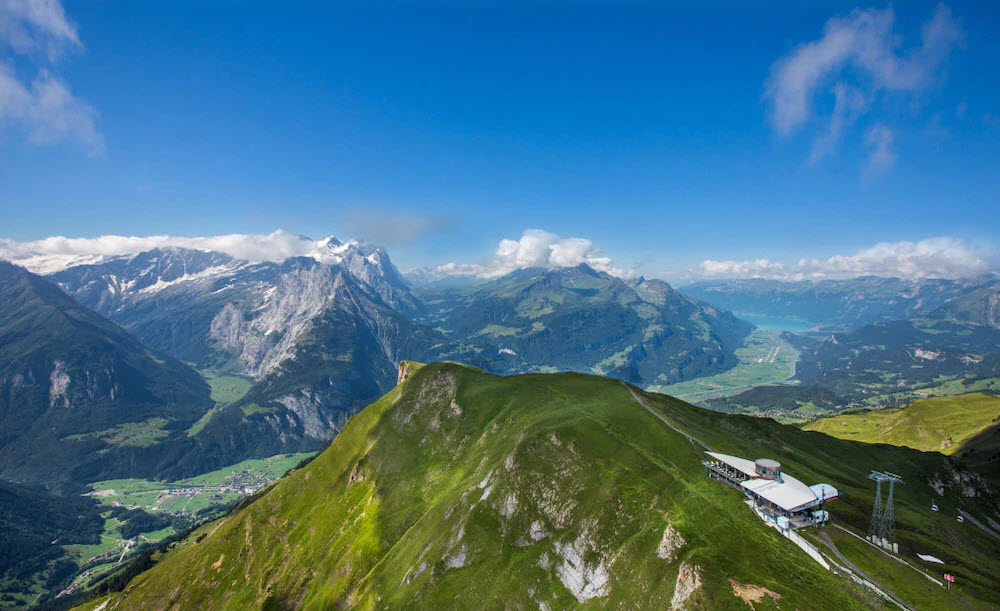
<point>210,273</point>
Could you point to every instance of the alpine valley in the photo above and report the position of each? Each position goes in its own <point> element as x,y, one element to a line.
<point>168,385</point>
<point>174,363</point>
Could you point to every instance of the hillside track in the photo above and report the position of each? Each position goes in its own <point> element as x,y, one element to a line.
<point>694,440</point>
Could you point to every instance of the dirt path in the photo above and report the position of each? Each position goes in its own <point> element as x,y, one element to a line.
<point>982,526</point>
<point>640,401</point>
<point>889,555</point>
<point>828,542</point>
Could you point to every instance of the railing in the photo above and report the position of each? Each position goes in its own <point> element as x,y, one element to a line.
<point>807,547</point>
<point>792,536</point>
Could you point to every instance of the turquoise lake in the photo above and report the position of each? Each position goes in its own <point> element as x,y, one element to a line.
<point>776,323</point>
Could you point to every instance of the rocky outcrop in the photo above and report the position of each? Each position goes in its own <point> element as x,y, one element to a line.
<point>669,545</point>
<point>406,369</point>
<point>688,582</point>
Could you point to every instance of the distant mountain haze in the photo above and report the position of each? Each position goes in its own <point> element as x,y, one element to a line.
<point>839,305</point>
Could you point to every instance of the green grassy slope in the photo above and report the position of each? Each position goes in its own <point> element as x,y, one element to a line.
<point>459,487</point>
<point>929,477</point>
<point>940,424</point>
<point>462,489</point>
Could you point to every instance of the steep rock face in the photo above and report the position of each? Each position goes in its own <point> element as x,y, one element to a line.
<point>346,354</point>
<point>170,299</point>
<point>69,382</point>
<point>322,336</point>
<point>227,314</point>
<point>371,265</point>
<point>265,336</point>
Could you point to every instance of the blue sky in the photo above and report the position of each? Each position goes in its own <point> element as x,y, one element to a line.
<point>663,133</point>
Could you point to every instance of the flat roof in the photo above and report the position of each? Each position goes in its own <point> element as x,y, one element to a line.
<point>748,467</point>
<point>789,493</point>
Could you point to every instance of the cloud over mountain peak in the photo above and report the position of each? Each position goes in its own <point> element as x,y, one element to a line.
<point>53,253</point>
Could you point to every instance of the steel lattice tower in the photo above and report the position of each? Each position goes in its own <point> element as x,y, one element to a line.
<point>874,527</point>
<point>883,525</point>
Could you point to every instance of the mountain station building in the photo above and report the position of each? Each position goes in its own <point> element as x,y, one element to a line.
<point>779,499</point>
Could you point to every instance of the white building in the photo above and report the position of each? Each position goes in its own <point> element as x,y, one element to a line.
<point>778,498</point>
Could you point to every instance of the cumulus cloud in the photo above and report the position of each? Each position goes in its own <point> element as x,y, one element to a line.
<point>940,257</point>
<point>862,53</point>
<point>44,108</point>
<point>57,252</point>
<point>535,248</point>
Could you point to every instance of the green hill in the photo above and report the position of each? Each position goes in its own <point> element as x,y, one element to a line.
<point>940,424</point>
<point>461,489</point>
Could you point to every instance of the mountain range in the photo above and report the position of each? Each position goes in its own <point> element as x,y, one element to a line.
<point>111,367</point>
<point>318,337</point>
<point>579,319</point>
<point>960,338</point>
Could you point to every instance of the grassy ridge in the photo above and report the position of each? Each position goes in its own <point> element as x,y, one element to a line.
<point>457,478</point>
<point>940,424</point>
<point>462,489</point>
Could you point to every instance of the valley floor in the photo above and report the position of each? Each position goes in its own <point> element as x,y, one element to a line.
<point>191,500</point>
<point>765,358</point>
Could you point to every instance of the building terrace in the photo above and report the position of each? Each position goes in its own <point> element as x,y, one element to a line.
<point>778,498</point>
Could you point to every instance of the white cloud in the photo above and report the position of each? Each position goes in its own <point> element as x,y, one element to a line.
<point>849,103</point>
<point>51,254</point>
<point>939,257</point>
<point>45,109</point>
<point>48,111</point>
<point>882,156</point>
<point>535,248</point>
<point>31,26</point>
<point>862,52</point>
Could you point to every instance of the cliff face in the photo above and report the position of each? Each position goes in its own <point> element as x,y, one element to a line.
<point>406,369</point>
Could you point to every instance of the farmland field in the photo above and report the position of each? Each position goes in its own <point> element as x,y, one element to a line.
<point>765,358</point>
<point>188,501</point>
